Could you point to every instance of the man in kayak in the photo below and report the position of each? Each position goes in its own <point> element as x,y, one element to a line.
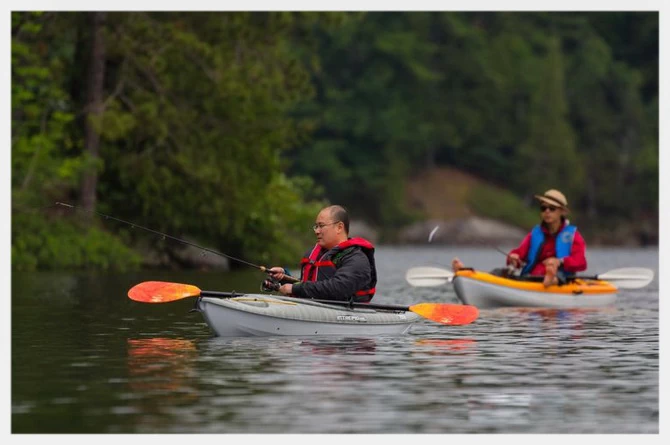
<point>554,248</point>
<point>337,267</point>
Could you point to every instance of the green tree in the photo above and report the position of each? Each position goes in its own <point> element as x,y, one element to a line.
<point>47,162</point>
<point>192,116</point>
<point>549,154</point>
<point>615,136</point>
<point>44,157</point>
<point>201,128</point>
<point>371,112</point>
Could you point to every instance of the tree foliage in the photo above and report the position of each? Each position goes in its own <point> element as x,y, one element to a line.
<point>528,101</point>
<point>196,113</point>
<point>233,128</point>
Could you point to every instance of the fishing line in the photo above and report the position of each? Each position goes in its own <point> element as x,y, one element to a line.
<point>481,242</point>
<point>164,235</point>
<point>498,249</point>
<point>432,233</point>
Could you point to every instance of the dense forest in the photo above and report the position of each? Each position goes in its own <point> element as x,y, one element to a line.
<point>232,129</point>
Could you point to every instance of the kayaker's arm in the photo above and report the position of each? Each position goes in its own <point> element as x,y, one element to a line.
<point>576,261</point>
<point>522,250</point>
<point>353,273</point>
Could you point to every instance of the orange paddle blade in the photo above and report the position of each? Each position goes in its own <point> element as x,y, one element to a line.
<point>161,292</point>
<point>451,314</point>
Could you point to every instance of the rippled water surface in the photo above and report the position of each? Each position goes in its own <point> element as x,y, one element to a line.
<point>86,359</point>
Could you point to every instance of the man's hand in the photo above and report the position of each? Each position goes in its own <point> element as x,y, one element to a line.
<point>277,273</point>
<point>286,289</point>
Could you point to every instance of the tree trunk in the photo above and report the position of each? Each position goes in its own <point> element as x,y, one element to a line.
<point>94,108</point>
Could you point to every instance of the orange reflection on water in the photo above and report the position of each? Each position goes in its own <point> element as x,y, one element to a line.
<point>160,363</point>
<point>159,347</point>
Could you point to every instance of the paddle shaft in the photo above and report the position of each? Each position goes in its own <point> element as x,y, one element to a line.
<point>624,278</point>
<point>165,292</point>
<point>602,276</point>
<point>207,293</point>
<point>569,278</point>
<point>388,307</point>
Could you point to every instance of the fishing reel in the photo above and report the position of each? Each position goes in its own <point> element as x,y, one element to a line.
<point>512,271</point>
<point>270,285</point>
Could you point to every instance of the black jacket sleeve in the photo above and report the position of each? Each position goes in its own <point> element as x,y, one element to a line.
<point>352,273</point>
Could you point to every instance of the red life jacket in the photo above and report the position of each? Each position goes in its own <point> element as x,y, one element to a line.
<point>317,265</point>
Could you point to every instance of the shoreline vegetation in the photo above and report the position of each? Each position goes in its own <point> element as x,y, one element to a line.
<point>233,128</point>
<point>78,245</point>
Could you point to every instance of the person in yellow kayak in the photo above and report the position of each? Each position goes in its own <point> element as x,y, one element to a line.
<point>554,248</point>
<point>337,267</point>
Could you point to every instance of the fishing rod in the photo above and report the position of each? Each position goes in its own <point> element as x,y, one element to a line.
<point>164,235</point>
<point>510,267</point>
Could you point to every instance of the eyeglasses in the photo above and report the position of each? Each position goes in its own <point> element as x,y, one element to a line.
<point>321,226</point>
<point>550,208</point>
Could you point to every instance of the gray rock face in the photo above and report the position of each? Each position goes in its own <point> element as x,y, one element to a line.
<point>363,230</point>
<point>184,256</point>
<point>201,259</point>
<point>470,230</point>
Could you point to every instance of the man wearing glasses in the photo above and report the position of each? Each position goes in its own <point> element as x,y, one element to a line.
<point>337,267</point>
<point>554,248</point>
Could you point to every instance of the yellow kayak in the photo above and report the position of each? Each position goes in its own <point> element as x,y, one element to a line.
<point>485,290</point>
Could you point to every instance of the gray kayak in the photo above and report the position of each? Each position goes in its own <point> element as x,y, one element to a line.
<point>255,315</point>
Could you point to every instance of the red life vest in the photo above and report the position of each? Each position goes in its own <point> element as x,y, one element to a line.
<point>317,265</point>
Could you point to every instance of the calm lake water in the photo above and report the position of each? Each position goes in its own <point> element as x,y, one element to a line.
<point>86,359</point>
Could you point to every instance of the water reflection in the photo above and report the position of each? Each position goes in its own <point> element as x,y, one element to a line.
<point>161,365</point>
<point>554,313</point>
<point>448,345</point>
<point>561,323</point>
<point>516,409</point>
<point>492,408</point>
<point>340,346</point>
<point>336,363</point>
<point>75,370</point>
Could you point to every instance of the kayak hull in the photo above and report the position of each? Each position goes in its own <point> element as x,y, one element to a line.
<point>487,291</point>
<point>260,316</point>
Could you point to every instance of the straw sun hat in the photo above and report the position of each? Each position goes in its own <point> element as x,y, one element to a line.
<point>553,198</point>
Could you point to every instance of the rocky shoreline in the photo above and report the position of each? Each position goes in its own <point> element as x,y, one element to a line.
<point>471,230</point>
<point>474,230</point>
